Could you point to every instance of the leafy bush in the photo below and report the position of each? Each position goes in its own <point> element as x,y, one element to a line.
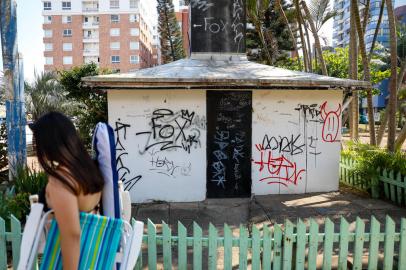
<point>369,159</point>
<point>29,181</point>
<point>14,199</point>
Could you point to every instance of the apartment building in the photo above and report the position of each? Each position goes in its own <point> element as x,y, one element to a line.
<point>341,26</point>
<point>115,34</point>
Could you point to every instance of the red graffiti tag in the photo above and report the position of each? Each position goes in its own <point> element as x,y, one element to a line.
<point>331,124</point>
<point>280,169</point>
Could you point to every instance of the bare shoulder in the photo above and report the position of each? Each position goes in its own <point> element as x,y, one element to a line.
<point>57,189</point>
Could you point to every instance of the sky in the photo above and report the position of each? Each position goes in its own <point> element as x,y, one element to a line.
<point>29,23</point>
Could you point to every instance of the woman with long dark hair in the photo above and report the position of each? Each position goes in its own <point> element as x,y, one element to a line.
<point>74,181</point>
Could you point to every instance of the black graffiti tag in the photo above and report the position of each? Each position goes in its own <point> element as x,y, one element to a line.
<point>291,145</point>
<point>123,171</point>
<point>170,130</point>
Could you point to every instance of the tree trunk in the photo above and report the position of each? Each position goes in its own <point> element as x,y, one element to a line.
<point>378,25</point>
<point>353,74</point>
<point>260,32</point>
<point>309,48</point>
<point>269,39</point>
<point>302,39</point>
<point>316,39</point>
<point>280,7</point>
<point>393,97</point>
<point>367,72</point>
<point>401,138</point>
<point>366,15</point>
<point>384,120</point>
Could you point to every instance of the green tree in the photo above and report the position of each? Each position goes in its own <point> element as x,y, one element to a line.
<point>337,63</point>
<point>91,105</point>
<point>169,31</point>
<point>45,94</point>
<point>271,32</point>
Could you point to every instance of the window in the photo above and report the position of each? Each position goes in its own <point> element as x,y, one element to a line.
<point>66,19</point>
<point>115,45</point>
<point>47,19</point>
<point>114,32</point>
<point>133,17</point>
<point>115,59</point>
<point>114,4</point>
<point>48,47</point>
<point>134,59</point>
<point>67,60</point>
<point>67,47</point>
<point>114,18</point>
<point>133,3</point>
<point>67,32</point>
<point>66,5</point>
<point>47,6</point>
<point>47,33</point>
<point>88,33</point>
<point>49,60</point>
<point>134,32</point>
<point>134,45</point>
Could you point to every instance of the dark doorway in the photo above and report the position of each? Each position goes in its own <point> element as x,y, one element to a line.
<point>229,124</point>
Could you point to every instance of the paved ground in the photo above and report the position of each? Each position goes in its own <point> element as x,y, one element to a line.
<point>269,209</point>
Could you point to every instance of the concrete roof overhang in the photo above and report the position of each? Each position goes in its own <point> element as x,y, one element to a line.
<point>220,74</point>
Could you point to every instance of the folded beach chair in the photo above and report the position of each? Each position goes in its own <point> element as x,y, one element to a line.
<point>104,242</point>
<point>116,202</point>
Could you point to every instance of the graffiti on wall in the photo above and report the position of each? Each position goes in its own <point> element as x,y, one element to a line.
<point>275,155</point>
<point>162,164</point>
<point>170,131</point>
<point>124,172</point>
<point>331,126</point>
<point>218,168</point>
<point>277,169</point>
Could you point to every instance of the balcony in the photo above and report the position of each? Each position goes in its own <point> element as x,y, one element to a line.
<point>91,52</point>
<point>91,39</point>
<point>90,9</point>
<point>91,25</point>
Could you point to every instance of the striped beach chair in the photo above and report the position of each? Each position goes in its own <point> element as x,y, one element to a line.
<point>105,241</point>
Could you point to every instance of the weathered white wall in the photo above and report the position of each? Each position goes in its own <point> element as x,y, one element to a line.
<point>290,151</point>
<point>167,161</point>
<point>297,156</point>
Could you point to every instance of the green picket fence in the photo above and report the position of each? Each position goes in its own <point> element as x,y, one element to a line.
<point>297,246</point>
<point>393,184</point>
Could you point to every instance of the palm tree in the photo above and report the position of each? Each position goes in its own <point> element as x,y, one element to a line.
<point>402,135</point>
<point>393,82</point>
<point>353,72</point>
<point>367,71</point>
<point>45,94</point>
<point>300,24</point>
<point>378,26</point>
<point>317,15</point>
